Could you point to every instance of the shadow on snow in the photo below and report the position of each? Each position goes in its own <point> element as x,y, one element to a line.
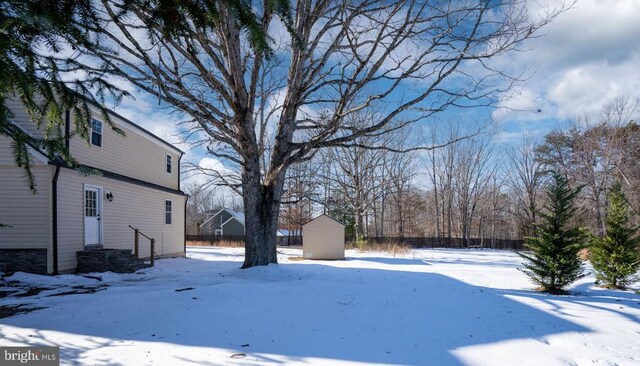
<point>313,310</point>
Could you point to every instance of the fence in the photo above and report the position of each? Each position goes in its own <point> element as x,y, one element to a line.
<point>287,241</point>
<point>430,242</point>
<point>214,239</point>
<point>413,242</point>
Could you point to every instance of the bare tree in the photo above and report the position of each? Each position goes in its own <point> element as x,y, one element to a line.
<point>497,204</point>
<point>525,179</point>
<point>621,116</point>
<point>473,169</point>
<point>464,184</point>
<point>357,171</point>
<point>341,57</point>
<point>400,170</point>
<point>441,165</point>
<point>198,204</point>
<point>300,193</point>
<point>593,155</point>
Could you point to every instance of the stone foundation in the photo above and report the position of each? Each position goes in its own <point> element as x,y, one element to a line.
<point>23,260</point>
<point>108,260</point>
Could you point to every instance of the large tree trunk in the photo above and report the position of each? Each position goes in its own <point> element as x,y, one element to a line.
<point>261,207</point>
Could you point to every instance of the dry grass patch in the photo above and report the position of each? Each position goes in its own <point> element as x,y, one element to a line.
<point>584,254</point>
<point>390,248</point>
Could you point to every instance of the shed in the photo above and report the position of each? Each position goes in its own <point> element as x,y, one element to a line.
<point>323,238</point>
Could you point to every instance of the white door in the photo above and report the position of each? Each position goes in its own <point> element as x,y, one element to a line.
<point>92,213</point>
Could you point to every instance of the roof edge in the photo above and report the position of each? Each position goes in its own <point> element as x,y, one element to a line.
<point>319,216</point>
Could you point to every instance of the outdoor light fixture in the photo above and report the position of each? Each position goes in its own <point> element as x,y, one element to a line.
<point>108,196</point>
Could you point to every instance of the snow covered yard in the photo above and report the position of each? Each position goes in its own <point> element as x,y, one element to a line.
<point>434,307</point>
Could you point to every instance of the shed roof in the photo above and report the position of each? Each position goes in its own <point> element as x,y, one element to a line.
<point>239,216</point>
<point>287,232</point>
<point>312,220</point>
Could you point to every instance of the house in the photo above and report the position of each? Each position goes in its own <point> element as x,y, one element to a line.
<point>223,222</point>
<point>289,237</point>
<point>323,238</point>
<point>290,232</point>
<point>228,222</point>
<point>134,181</point>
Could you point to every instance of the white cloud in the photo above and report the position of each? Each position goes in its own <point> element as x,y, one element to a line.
<point>159,121</point>
<point>212,164</point>
<point>585,59</point>
<point>587,89</point>
<point>592,31</point>
<point>205,174</point>
<point>204,178</point>
<point>208,169</point>
<point>521,103</point>
<point>123,84</point>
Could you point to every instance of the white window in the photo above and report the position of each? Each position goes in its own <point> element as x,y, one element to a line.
<point>167,212</point>
<point>96,132</point>
<point>168,163</point>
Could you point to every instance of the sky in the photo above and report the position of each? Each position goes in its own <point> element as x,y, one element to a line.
<point>586,58</point>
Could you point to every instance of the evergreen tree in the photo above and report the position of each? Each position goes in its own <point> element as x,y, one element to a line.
<point>616,256</point>
<point>553,262</point>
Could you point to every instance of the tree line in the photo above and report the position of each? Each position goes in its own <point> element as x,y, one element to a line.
<point>473,186</point>
<point>575,190</point>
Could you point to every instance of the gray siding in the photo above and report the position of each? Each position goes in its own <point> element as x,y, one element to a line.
<point>233,227</point>
<point>210,227</point>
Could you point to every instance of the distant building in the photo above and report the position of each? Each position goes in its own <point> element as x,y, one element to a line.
<point>228,222</point>
<point>223,222</point>
<point>289,237</point>
<point>290,232</point>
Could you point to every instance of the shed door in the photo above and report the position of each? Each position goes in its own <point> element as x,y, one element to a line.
<point>92,213</point>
